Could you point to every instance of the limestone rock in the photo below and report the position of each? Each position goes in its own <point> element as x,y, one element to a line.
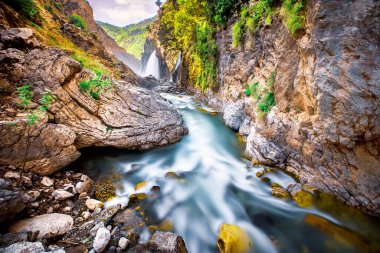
<point>102,239</point>
<point>46,181</point>
<point>123,243</point>
<point>233,115</point>
<point>167,242</point>
<point>92,204</point>
<point>62,194</point>
<point>24,247</point>
<point>84,185</point>
<point>48,225</point>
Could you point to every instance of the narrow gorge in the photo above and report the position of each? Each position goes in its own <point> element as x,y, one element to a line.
<point>228,126</point>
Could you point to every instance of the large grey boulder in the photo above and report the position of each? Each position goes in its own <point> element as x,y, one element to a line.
<point>48,225</point>
<point>167,242</point>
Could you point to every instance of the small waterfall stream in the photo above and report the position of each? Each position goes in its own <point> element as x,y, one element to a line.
<point>153,66</point>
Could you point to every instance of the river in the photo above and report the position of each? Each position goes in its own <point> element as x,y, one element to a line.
<point>214,184</point>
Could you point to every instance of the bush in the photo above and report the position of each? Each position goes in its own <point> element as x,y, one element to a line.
<point>24,95</point>
<point>291,11</point>
<point>78,21</point>
<point>222,10</point>
<point>268,103</point>
<point>95,85</point>
<point>237,33</point>
<point>27,7</point>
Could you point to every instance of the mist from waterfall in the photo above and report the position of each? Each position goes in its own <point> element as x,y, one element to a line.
<point>153,67</point>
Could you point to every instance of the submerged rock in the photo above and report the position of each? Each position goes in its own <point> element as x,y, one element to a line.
<point>233,239</point>
<point>167,242</point>
<point>48,225</point>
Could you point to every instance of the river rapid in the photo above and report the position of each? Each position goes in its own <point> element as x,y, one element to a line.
<point>210,183</point>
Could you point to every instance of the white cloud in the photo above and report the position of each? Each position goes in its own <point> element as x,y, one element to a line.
<point>122,16</point>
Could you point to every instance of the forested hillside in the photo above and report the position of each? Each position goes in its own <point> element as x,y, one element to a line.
<point>131,37</point>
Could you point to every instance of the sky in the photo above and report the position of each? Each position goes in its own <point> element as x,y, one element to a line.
<point>123,12</point>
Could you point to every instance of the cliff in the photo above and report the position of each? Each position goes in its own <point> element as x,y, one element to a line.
<point>308,101</point>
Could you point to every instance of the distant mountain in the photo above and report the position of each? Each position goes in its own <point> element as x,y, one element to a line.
<point>131,37</point>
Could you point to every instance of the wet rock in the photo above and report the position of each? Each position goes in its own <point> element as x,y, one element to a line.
<point>11,201</point>
<point>233,239</point>
<point>123,243</point>
<point>47,181</point>
<point>167,242</point>
<point>92,204</point>
<point>24,247</point>
<point>48,225</point>
<point>234,115</point>
<point>62,195</point>
<point>101,240</point>
<point>279,192</point>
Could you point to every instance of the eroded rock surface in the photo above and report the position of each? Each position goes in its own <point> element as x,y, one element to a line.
<point>124,115</point>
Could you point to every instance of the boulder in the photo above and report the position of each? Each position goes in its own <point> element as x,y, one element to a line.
<point>48,225</point>
<point>167,242</point>
<point>233,239</point>
<point>62,195</point>
<point>233,115</point>
<point>19,38</point>
<point>101,240</point>
<point>11,201</point>
<point>92,204</point>
<point>84,185</point>
<point>24,247</point>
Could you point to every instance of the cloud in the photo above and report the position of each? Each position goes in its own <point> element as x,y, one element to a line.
<point>125,2</point>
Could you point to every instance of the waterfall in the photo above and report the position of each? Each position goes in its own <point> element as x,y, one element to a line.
<point>175,73</point>
<point>153,66</point>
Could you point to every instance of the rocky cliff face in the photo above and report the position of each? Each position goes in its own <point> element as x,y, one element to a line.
<point>83,8</point>
<point>325,127</point>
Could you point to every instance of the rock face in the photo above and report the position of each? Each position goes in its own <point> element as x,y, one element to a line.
<point>48,225</point>
<point>325,127</point>
<point>124,116</point>
<point>11,202</point>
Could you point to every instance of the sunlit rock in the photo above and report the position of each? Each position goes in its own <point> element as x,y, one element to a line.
<point>233,239</point>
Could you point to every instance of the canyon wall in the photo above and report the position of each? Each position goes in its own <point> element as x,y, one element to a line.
<point>325,126</point>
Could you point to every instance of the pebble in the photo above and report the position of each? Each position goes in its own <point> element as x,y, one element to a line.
<point>123,243</point>
<point>62,194</point>
<point>101,240</point>
<point>93,204</point>
<point>47,181</point>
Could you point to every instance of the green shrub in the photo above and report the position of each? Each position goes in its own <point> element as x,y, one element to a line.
<point>268,103</point>
<point>251,89</point>
<point>222,10</point>
<point>27,7</point>
<point>293,17</point>
<point>32,118</point>
<point>78,21</point>
<point>45,101</point>
<point>95,85</point>
<point>237,33</point>
<point>24,95</point>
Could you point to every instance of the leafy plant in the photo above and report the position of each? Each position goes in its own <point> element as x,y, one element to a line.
<point>26,7</point>
<point>268,102</point>
<point>251,89</point>
<point>45,101</point>
<point>294,19</point>
<point>237,33</point>
<point>78,21</point>
<point>95,85</point>
<point>24,95</point>
<point>32,118</point>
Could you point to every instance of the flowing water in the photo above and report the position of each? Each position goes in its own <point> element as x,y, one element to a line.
<point>216,185</point>
<point>153,68</point>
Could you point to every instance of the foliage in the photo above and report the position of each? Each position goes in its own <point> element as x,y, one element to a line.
<point>45,101</point>
<point>27,7</point>
<point>222,11</point>
<point>251,89</point>
<point>267,103</point>
<point>294,19</point>
<point>237,33</point>
<point>131,37</point>
<point>95,85</point>
<point>57,5</point>
<point>48,8</point>
<point>24,95</point>
<point>32,118</point>
<point>78,21</point>
<point>89,63</point>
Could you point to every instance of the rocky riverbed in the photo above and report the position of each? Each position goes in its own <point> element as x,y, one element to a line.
<point>59,214</point>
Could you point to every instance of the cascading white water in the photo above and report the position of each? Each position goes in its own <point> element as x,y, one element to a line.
<point>153,67</point>
<point>176,67</point>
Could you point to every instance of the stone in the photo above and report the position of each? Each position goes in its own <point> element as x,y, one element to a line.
<point>47,181</point>
<point>279,192</point>
<point>24,247</point>
<point>233,115</point>
<point>19,38</point>
<point>11,238</point>
<point>92,204</point>
<point>85,185</point>
<point>101,240</point>
<point>86,215</point>
<point>48,225</point>
<point>130,221</point>
<point>233,239</point>
<point>123,243</point>
<point>12,175</point>
<point>11,201</point>
<point>167,242</point>
<point>62,194</point>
